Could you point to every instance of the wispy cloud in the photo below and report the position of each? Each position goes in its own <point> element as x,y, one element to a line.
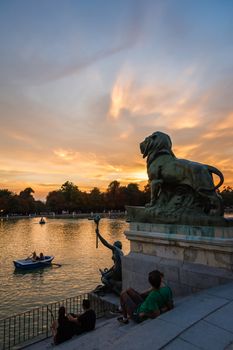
<point>33,66</point>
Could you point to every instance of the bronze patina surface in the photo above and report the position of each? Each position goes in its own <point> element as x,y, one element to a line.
<point>182,191</point>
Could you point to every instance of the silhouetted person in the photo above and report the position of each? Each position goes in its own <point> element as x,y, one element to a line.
<point>86,321</point>
<point>62,329</point>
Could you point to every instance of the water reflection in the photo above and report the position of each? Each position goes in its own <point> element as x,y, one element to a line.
<point>71,241</point>
<point>33,272</point>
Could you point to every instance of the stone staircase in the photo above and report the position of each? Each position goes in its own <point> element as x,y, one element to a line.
<point>199,321</point>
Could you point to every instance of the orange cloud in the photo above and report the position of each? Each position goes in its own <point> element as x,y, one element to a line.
<point>169,104</point>
<point>227,122</point>
<point>185,150</point>
<point>66,154</point>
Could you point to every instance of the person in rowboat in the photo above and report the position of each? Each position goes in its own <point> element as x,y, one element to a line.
<point>33,257</point>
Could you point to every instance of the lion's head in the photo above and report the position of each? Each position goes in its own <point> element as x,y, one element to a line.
<point>156,142</point>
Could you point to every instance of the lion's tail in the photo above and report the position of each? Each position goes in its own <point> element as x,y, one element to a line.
<point>213,170</point>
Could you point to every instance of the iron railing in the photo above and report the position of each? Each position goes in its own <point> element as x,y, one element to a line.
<point>35,324</point>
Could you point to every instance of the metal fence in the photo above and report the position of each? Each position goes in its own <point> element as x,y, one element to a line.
<point>36,323</point>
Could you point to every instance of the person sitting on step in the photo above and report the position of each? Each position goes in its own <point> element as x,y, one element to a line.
<point>84,322</point>
<point>62,329</point>
<point>139,307</point>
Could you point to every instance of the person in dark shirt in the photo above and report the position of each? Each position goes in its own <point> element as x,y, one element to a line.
<point>86,321</point>
<point>62,329</point>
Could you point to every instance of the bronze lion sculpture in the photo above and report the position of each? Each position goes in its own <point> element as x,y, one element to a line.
<point>179,185</point>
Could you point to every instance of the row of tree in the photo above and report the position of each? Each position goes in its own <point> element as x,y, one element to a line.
<point>70,199</point>
<point>24,203</point>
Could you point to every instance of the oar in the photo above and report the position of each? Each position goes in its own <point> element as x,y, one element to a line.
<point>50,263</point>
<point>55,264</point>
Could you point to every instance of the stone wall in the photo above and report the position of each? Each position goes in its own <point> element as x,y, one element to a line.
<point>192,258</point>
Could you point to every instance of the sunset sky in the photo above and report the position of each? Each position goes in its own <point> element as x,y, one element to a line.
<point>82,83</point>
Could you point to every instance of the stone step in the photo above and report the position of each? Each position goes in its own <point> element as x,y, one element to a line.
<point>203,320</point>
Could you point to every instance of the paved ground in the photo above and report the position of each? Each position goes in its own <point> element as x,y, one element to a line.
<point>200,321</point>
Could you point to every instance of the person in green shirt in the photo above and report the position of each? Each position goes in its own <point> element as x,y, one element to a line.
<point>150,304</point>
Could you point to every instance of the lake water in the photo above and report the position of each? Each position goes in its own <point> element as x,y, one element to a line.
<point>71,241</point>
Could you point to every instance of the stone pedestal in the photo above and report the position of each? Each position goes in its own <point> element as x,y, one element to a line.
<point>191,257</point>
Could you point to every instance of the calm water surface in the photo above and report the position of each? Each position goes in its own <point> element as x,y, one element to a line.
<point>71,241</point>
